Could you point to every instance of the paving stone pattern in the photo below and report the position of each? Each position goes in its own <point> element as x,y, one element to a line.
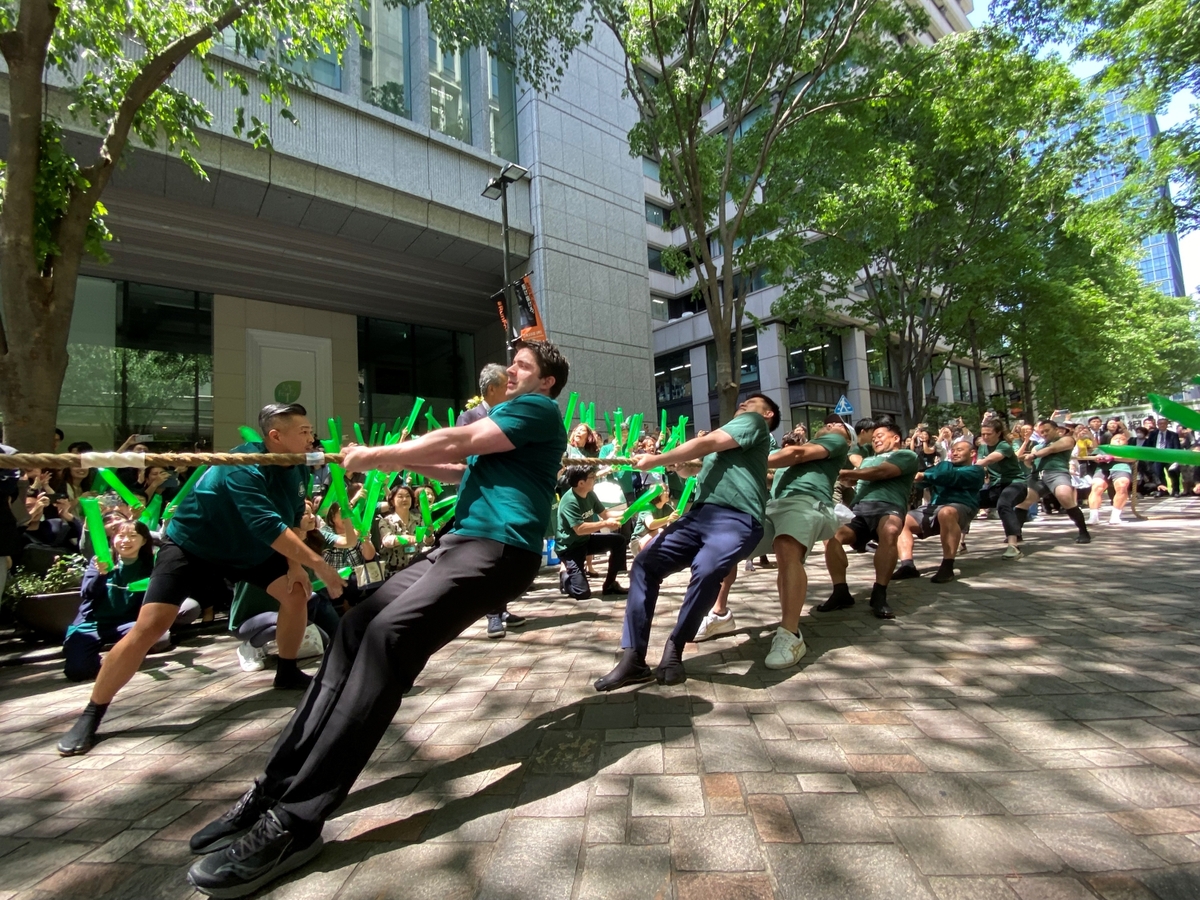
<point>1029,732</point>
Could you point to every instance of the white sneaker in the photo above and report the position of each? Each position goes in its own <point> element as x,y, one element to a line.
<point>748,566</point>
<point>786,650</point>
<point>250,658</point>
<point>312,645</point>
<point>1115,518</point>
<point>714,625</point>
<point>1093,517</point>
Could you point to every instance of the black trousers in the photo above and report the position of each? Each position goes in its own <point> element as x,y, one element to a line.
<point>1004,498</point>
<point>379,649</point>
<point>574,580</point>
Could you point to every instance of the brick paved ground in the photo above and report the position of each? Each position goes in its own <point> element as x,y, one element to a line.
<point>1031,731</point>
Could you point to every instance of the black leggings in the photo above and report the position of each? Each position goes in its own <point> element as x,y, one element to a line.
<point>1004,498</point>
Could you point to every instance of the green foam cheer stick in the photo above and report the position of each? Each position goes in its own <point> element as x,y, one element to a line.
<point>426,517</point>
<point>1176,412</point>
<point>662,425</point>
<point>569,415</point>
<point>318,584</point>
<point>335,433</point>
<point>590,418</point>
<point>94,519</point>
<point>412,416</point>
<point>1152,454</point>
<point>442,504</point>
<point>117,485</point>
<point>153,513</point>
<point>249,435</point>
<point>450,417</point>
<point>642,503</point>
<point>431,421</point>
<point>367,516</point>
<point>183,492</point>
<point>443,520</point>
<point>358,435</point>
<point>135,587</point>
<point>689,488</point>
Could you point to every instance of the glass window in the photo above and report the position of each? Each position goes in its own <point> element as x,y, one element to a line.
<point>656,215</point>
<point>385,76</point>
<point>673,377</point>
<point>963,378</point>
<point>502,108</point>
<point>822,360</point>
<point>654,259</point>
<point>140,363</point>
<point>325,69</point>
<point>659,309</point>
<point>811,417</point>
<point>650,168</point>
<point>449,92</point>
<point>399,362</point>
<point>692,303</point>
<point>749,360</point>
<point>879,367</point>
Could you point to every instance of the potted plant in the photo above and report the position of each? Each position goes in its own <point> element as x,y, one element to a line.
<point>47,601</point>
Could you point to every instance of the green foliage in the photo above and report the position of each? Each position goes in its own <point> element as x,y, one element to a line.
<point>1150,50</point>
<point>64,574</point>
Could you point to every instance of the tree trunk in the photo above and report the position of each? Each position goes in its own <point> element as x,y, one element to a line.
<point>1027,389</point>
<point>977,368</point>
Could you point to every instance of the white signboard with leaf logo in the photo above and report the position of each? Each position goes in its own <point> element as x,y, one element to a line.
<point>288,368</point>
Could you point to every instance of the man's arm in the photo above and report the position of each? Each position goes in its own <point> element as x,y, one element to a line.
<point>991,459</point>
<point>1064,443</point>
<point>882,472</point>
<point>713,442</point>
<point>300,554</point>
<point>441,447</point>
<point>800,453</point>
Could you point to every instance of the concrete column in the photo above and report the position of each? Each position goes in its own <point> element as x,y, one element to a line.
<point>772,371</point>
<point>477,66</point>
<point>352,66</point>
<point>854,361</point>
<point>418,63</point>
<point>700,410</point>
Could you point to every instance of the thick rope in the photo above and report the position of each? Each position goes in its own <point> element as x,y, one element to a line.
<point>142,460</point>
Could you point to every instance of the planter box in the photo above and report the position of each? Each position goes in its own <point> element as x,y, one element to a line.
<point>49,614</point>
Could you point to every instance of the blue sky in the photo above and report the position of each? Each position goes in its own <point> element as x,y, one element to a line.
<point>1177,111</point>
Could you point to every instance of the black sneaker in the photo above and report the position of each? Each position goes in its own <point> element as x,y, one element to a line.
<point>220,833</point>
<point>264,853</point>
<point>512,620</point>
<point>841,598</point>
<point>879,605</point>
<point>496,627</point>
<point>906,569</point>
<point>1084,538</point>
<point>944,573</point>
<point>614,589</point>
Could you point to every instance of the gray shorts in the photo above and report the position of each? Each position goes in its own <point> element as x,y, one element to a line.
<point>804,518</point>
<point>865,524</point>
<point>1046,483</point>
<point>927,520</point>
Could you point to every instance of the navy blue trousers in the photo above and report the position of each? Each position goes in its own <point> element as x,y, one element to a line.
<point>710,539</point>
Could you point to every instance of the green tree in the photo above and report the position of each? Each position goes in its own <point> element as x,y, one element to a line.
<point>761,70</point>
<point>1151,51</point>
<point>117,59</point>
<point>918,206</point>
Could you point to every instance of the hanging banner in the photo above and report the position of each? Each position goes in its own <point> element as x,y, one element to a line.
<point>529,318</point>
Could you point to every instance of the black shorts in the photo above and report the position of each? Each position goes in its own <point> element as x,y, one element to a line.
<point>865,523</point>
<point>179,574</point>
<point>928,524</point>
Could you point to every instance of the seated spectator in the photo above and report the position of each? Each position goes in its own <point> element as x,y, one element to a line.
<point>650,523</point>
<point>153,481</point>
<point>397,530</point>
<point>59,531</point>
<point>72,484</point>
<point>342,547</point>
<point>108,608</point>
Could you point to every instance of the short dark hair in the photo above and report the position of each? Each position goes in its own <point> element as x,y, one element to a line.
<point>864,425</point>
<point>59,432</point>
<point>776,415</point>
<point>550,361</point>
<point>890,424</point>
<point>272,411</point>
<point>577,474</point>
<point>80,447</point>
<point>1049,422</point>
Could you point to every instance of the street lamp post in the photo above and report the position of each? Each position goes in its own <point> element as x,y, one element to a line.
<point>497,189</point>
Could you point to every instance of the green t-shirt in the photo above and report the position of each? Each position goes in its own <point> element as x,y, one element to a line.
<point>1055,462</point>
<point>1008,469</point>
<point>507,497</point>
<point>892,491</point>
<point>954,484</point>
<point>644,519</point>
<point>737,478</point>
<point>1120,469</point>
<point>575,510</point>
<point>815,478</point>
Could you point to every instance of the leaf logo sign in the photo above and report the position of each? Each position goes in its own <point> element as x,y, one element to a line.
<point>287,392</point>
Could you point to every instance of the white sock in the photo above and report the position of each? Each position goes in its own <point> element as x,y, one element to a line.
<point>1115,516</point>
<point>1093,517</point>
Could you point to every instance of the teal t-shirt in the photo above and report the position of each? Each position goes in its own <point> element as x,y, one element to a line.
<point>1008,469</point>
<point>123,604</point>
<point>892,491</point>
<point>234,513</point>
<point>1120,469</point>
<point>507,497</point>
<point>954,484</point>
<point>737,478</point>
<point>575,510</point>
<point>816,478</point>
<point>644,519</point>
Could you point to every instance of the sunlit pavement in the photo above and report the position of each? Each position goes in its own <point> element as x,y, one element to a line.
<point>1031,730</point>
